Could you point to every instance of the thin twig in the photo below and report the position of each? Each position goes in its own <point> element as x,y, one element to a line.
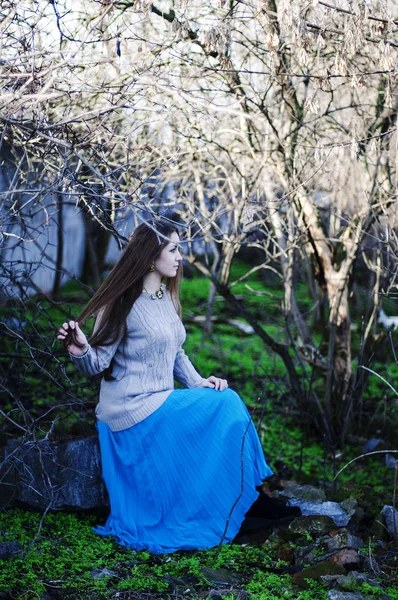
<point>363,456</point>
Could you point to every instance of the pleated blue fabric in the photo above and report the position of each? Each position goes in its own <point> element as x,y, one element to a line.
<point>184,477</point>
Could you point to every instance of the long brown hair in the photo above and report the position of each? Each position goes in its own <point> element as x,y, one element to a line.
<point>115,297</point>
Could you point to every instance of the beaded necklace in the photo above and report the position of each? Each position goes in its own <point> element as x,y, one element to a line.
<point>157,295</point>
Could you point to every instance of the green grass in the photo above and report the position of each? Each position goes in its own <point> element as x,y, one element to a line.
<point>268,586</point>
<point>59,554</point>
<point>63,552</point>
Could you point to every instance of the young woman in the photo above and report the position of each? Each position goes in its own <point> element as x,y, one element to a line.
<point>181,466</point>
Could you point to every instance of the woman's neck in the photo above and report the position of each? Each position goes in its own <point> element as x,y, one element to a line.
<point>152,282</point>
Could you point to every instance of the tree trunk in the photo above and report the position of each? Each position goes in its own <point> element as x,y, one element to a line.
<point>333,278</point>
<point>339,360</point>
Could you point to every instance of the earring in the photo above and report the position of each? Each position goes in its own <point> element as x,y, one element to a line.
<point>151,267</point>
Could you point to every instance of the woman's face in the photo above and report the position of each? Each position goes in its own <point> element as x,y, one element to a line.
<point>170,258</point>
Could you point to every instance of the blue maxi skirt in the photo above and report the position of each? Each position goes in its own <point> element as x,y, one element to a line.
<point>183,478</point>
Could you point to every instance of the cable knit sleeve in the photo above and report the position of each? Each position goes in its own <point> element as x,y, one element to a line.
<point>185,372</point>
<point>96,360</point>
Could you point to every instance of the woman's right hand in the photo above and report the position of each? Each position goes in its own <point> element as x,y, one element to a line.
<point>64,333</point>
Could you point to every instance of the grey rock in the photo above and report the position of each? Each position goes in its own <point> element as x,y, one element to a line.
<point>57,475</point>
<point>328,509</point>
<point>348,558</point>
<point>390,516</point>
<point>311,524</point>
<point>337,595</point>
<point>100,573</point>
<point>304,493</point>
<point>311,556</point>
<point>301,578</point>
<point>327,546</point>
<point>350,506</point>
<point>371,444</point>
<point>332,581</point>
<point>363,578</point>
<point>391,460</point>
<point>343,539</point>
<point>8,549</point>
<point>220,576</point>
<point>350,581</point>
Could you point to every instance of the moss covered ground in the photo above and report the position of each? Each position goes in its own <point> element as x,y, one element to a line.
<point>61,558</point>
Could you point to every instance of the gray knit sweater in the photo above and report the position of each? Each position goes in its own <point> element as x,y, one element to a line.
<point>144,367</point>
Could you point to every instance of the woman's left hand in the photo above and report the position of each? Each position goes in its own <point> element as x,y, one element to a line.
<point>214,382</point>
